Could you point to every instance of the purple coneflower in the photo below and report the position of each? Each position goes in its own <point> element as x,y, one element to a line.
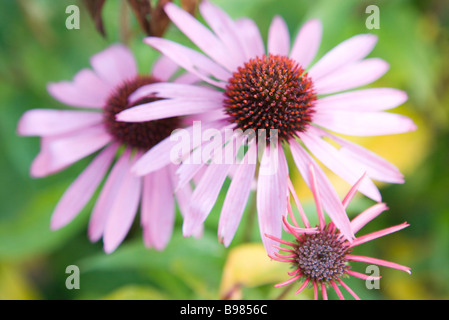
<point>70,135</point>
<point>322,259</point>
<point>277,89</point>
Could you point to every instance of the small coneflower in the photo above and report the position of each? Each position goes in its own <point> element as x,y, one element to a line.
<point>277,89</point>
<point>322,259</point>
<point>70,135</point>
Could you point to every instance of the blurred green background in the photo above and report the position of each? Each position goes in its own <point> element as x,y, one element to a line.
<point>37,48</point>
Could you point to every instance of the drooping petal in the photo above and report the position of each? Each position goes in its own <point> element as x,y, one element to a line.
<point>122,213</point>
<point>115,64</point>
<point>58,152</point>
<point>364,100</point>
<point>167,151</point>
<point>48,122</point>
<point>236,198</point>
<point>348,51</point>
<point>206,193</point>
<point>376,167</point>
<point>332,159</point>
<point>108,195</point>
<point>307,43</point>
<point>158,209</point>
<point>352,76</point>
<point>183,197</point>
<point>271,196</point>
<point>82,189</point>
<point>331,203</point>
<point>364,123</point>
<point>278,37</point>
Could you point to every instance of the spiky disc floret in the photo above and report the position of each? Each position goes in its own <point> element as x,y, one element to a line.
<point>142,135</point>
<point>270,92</point>
<point>321,256</point>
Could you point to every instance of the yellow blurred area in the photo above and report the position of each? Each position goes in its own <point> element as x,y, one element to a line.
<point>248,265</point>
<point>14,285</point>
<point>406,151</point>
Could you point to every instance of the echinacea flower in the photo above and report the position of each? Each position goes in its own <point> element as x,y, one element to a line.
<point>278,89</point>
<point>70,135</point>
<point>323,259</point>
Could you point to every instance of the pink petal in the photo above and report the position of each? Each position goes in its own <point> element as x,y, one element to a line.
<point>348,51</point>
<point>271,197</point>
<point>378,262</point>
<point>377,234</point>
<point>205,196</point>
<point>86,90</point>
<point>352,191</point>
<point>199,157</point>
<point>362,275</point>
<point>156,158</point>
<point>331,203</point>
<point>351,76</point>
<point>236,199</point>
<point>364,123</point>
<point>115,64</point>
<point>337,290</point>
<point>166,109</point>
<point>194,62</point>
<point>307,43</point>
<point>376,167</point>
<point>366,216</point>
<point>82,189</point>
<point>47,122</point>
<point>332,159</point>
<point>201,36</point>
<point>206,193</point>
<point>365,100</point>
<point>164,68</point>
<point>108,195</point>
<point>226,30</point>
<point>166,151</point>
<point>58,152</point>
<point>278,37</point>
<point>183,196</point>
<point>317,198</point>
<point>252,39</point>
<point>122,213</point>
<point>187,78</point>
<point>158,209</point>
<point>344,285</point>
<point>176,90</point>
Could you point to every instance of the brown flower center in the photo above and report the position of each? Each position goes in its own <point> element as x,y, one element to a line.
<point>141,135</point>
<point>271,92</point>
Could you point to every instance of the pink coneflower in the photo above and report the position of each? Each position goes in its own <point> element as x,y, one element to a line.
<point>322,259</point>
<point>275,89</point>
<point>70,135</point>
